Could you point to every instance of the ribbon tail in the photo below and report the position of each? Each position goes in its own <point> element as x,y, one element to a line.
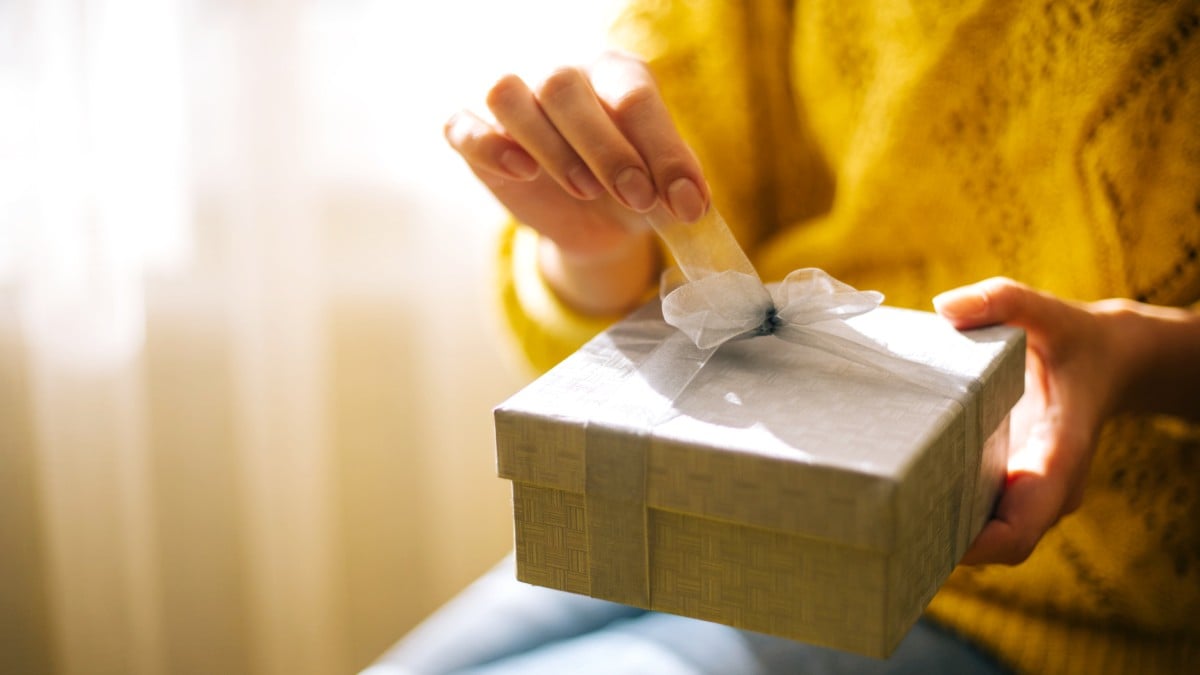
<point>703,248</point>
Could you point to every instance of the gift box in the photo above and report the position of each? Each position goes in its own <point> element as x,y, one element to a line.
<point>776,487</point>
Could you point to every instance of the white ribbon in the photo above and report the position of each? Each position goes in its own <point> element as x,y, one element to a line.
<point>715,309</point>
<point>809,307</point>
<point>715,295</point>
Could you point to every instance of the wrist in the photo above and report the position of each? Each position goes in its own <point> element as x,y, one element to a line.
<point>1156,357</point>
<point>605,282</point>
<point>1123,331</point>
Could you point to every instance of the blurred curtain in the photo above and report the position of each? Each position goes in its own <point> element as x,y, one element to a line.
<point>247,347</point>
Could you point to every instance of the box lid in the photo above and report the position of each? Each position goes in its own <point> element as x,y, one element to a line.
<point>772,434</point>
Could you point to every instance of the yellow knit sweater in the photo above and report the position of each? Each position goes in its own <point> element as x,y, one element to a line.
<point>911,147</point>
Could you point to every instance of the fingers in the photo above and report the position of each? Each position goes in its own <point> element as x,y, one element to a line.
<point>604,130</point>
<point>631,98</point>
<point>1000,300</point>
<point>1068,387</point>
<point>522,115</point>
<point>484,147</point>
<point>571,104</point>
<point>1046,477</point>
<point>1030,505</point>
<point>1032,501</point>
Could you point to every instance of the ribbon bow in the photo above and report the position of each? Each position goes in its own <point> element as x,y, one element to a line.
<point>715,309</point>
<point>715,295</point>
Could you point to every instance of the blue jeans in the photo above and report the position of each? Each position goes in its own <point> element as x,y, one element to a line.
<point>499,625</point>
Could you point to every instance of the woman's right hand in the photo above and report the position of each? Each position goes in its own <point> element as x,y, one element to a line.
<point>578,158</point>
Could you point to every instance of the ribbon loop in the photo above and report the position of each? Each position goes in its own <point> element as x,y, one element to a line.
<point>810,295</point>
<point>715,309</point>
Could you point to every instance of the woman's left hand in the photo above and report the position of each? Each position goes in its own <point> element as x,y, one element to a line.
<point>1076,370</point>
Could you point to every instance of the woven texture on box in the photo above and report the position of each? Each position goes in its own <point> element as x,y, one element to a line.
<point>551,538</point>
<point>775,494</point>
<point>771,582</point>
<point>539,453</point>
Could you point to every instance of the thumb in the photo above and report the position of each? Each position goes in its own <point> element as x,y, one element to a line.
<point>999,300</point>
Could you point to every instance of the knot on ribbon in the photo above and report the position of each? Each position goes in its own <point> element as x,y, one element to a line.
<point>770,324</point>
<point>714,309</point>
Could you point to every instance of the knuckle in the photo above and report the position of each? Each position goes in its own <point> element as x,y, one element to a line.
<point>634,100</point>
<point>623,81</point>
<point>561,82</point>
<point>505,91</point>
<point>1000,287</point>
<point>1002,292</point>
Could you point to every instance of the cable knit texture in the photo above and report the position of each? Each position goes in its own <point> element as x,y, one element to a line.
<point>911,147</point>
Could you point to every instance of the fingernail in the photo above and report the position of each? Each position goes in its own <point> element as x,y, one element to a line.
<point>685,200</point>
<point>520,165</point>
<point>635,189</point>
<point>583,180</point>
<point>961,303</point>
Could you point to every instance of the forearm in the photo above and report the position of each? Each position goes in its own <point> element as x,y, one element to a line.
<point>1161,346</point>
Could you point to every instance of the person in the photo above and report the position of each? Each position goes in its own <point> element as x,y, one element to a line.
<point>910,148</point>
